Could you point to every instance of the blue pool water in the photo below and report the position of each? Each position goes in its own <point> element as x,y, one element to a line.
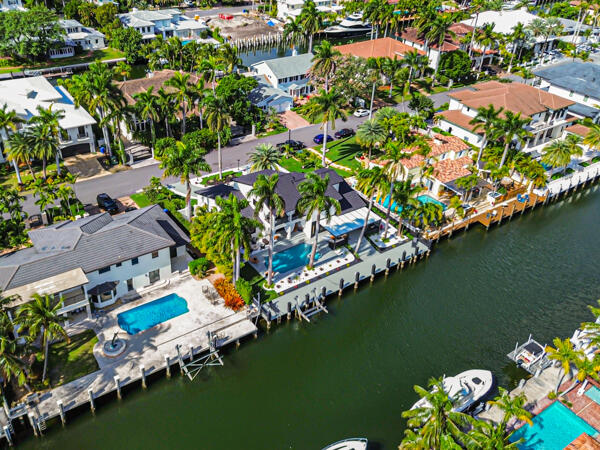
<point>147,315</point>
<point>422,198</point>
<point>554,428</point>
<point>594,394</point>
<point>291,258</point>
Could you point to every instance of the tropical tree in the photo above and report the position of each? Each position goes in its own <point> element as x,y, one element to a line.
<point>264,191</point>
<point>427,215</point>
<point>313,202</point>
<point>229,57</point>
<point>404,196</point>
<point>467,183</point>
<point>327,106</point>
<point>65,193</point>
<point>438,31</point>
<point>43,144</point>
<point>416,62</point>
<point>370,134</point>
<point>293,31</point>
<point>312,21</point>
<point>392,67</point>
<point>511,127</point>
<point>182,95</point>
<point>183,161</point>
<point>264,157</point>
<point>566,355</point>
<point>518,38</point>
<point>19,151</point>
<point>488,435</point>
<point>486,120</point>
<point>41,319</point>
<point>370,182</point>
<point>592,139</point>
<point>122,70</point>
<point>324,61</point>
<point>395,155</point>
<point>8,122</point>
<point>210,67</point>
<point>513,407</point>
<point>559,152</point>
<point>217,119</point>
<point>148,108</point>
<point>48,145</point>
<point>166,107</point>
<point>11,366</point>
<point>486,38</point>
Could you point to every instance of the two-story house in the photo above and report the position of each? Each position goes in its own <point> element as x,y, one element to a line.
<point>292,8</point>
<point>95,259</point>
<point>548,112</point>
<point>77,36</point>
<point>24,95</point>
<point>576,81</point>
<point>289,74</point>
<point>165,22</point>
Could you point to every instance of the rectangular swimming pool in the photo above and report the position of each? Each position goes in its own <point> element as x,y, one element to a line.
<point>554,428</point>
<point>291,258</point>
<point>150,314</point>
<point>424,198</point>
<point>594,394</point>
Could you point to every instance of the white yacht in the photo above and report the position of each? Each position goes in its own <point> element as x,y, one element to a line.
<point>349,444</point>
<point>350,26</point>
<point>465,389</point>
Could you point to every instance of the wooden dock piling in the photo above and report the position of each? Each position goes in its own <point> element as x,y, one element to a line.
<point>118,385</point>
<point>61,412</point>
<point>143,373</point>
<point>168,366</point>
<point>91,397</point>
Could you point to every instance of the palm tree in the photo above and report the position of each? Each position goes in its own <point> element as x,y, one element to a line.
<point>180,82</point>
<point>537,27</point>
<point>370,134</point>
<point>370,182</point>
<point>40,317</point>
<point>467,183</point>
<point>313,202</point>
<point>511,127</point>
<point>392,67</point>
<point>148,108</point>
<point>427,215</point>
<point>264,157</point>
<point>324,61</point>
<point>123,70</point>
<point>518,37</point>
<point>486,38</point>
<point>513,407</point>
<point>265,193</point>
<point>416,62</point>
<point>45,194</point>
<point>485,119</point>
<point>49,120</point>
<point>210,67</point>
<point>327,106</point>
<point>437,32</point>
<point>404,196</point>
<point>477,6</point>
<point>9,121</point>
<point>11,366</point>
<point>593,137</point>
<point>65,193</point>
<point>19,151</point>
<point>43,144</point>
<point>217,119</point>
<point>553,28</point>
<point>293,31</point>
<point>436,418</point>
<point>394,156</point>
<point>228,57</point>
<point>559,152</point>
<point>312,21</point>
<point>183,161</point>
<point>166,107</point>
<point>564,353</point>
<point>488,435</point>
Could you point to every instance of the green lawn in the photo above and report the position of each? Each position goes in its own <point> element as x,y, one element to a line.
<point>293,165</point>
<point>141,200</point>
<point>231,173</point>
<point>248,273</point>
<point>343,153</point>
<point>72,360</point>
<point>97,55</point>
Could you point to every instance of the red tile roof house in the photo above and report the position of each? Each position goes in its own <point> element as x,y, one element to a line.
<point>377,48</point>
<point>449,157</point>
<point>548,112</point>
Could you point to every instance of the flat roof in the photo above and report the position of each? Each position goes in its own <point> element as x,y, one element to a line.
<point>51,285</point>
<point>580,77</point>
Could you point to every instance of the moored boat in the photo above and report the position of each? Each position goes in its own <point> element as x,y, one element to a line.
<point>349,444</point>
<point>350,26</point>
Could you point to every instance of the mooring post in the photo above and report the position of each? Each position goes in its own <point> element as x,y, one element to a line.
<point>323,293</point>
<point>269,320</point>
<point>143,372</point>
<point>356,280</point>
<point>118,385</point>
<point>289,311</point>
<point>61,412</point>
<point>341,287</point>
<point>91,396</point>
<point>33,424</point>
<point>256,335</point>
<point>8,435</point>
<point>168,366</point>
<point>388,262</point>
<point>192,352</point>
<point>427,254</point>
<point>373,268</point>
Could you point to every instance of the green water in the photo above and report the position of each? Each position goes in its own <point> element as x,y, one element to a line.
<point>351,372</point>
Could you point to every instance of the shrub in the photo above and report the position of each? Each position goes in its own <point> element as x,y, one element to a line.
<point>229,294</point>
<point>245,290</point>
<point>199,267</point>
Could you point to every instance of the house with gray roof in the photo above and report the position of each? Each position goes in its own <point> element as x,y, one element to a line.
<point>266,97</point>
<point>166,22</point>
<point>76,35</point>
<point>96,259</point>
<point>290,74</point>
<point>576,81</point>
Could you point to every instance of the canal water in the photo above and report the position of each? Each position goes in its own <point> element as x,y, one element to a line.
<point>351,372</point>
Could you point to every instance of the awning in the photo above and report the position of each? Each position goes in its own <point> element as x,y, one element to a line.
<point>103,288</point>
<point>354,220</point>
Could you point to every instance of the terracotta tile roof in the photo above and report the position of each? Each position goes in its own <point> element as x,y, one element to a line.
<point>451,43</point>
<point>458,118</point>
<point>377,48</point>
<point>584,442</point>
<point>580,130</point>
<point>157,80</point>
<point>448,170</point>
<point>515,97</point>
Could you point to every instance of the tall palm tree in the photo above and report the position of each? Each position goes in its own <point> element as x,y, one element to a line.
<point>9,122</point>
<point>264,157</point>
<point>553,28</point>
<point>486,38</point>
<point>49,120</point>
<point>11,366</point>
<point>293,31</point>
<point>476,6</point>
<point>328,107</point>
<point>426,215</point>
<point>537,27</point>
<point>264,191</point>
<point>166,107</point>
<point>123,70</point>
<point>513,407</point>
<point>43,144</point>
<point>40,317</point>
<point>148,108</point>
<point>485,119</point>
<point>488,435</point>
<point>228,57</point>
<point>312,21</point>
<point>518,37</point>
<point>566,355</point>
<point>217,119</point>
<point>324,61</point>
<point>183,161</point>
<point>559,152</point>
<point>182,95</point>
<point>404,196</point>
<point>313,202</point>
<point>19,151</point>
<point>511,127</point>
<point>370,134</point>
<point>416,62</point>
<point>370,182</point>
<point>593,137</point>
<point>392,68</point>
<point>210,67</point>
<point>394,168</point>
<point>437,33</point>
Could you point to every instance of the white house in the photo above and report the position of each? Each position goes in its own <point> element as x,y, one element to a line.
<point>576,81</point>
<point>266,97</point>
<point>289,74</point>
<point>24,95</point>
<point>96,259</point>
<point>165,22</point>
<point>293,8</point>
<point>11,5</point>
<point>77,35</point>
<point>548,112</point>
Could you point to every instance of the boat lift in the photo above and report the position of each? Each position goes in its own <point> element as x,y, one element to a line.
<point>530,356</point>
<point>317,308</point>
<point>192,368</point>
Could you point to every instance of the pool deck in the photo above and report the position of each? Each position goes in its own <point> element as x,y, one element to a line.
<point>148,349</point>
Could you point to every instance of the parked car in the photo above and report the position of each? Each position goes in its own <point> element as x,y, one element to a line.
<point>295,145</point>
<point>106,203</point>
<point>318,139</point>
<point>361,112</point>
<point>344,133</point>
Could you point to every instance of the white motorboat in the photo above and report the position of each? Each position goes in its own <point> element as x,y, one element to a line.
<point>350,26</point>
<point>349,444</point>
<point>465,389</point>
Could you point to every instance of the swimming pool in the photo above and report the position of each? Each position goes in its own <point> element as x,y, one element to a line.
<point>422,198</point>
<point>554,428</point>
<point>147,315</point>
<point>291,258</point>
<point>594,394</point>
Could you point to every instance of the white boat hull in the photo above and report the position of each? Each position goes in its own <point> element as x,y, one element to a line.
<point>349,444</point>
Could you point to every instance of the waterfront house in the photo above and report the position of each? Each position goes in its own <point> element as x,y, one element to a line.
<point>377,48</point>
<point>95,259</point>
<point>289,74</point>
<point>292,8</point>
<point>11,5</point>
<point>86,38</point>
<point>267,97</point>
<point>165,22</point>
<point>548,112</point>
<point>24,95</point>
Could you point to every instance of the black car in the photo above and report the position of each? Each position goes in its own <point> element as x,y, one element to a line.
<point>295,145</point>
<point>344,133</point>
<point>106,203</point>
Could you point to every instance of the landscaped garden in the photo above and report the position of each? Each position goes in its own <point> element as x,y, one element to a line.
<point>344,152</point>
<point>104,54</point>
<point>74,359</point>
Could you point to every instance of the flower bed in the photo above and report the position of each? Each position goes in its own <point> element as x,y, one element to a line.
<point>227,290</point>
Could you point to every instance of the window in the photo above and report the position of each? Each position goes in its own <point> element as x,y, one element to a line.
<point>449,129</point>
<point>129,285</point>
<point>154,276</point>
<point>134,261</point>
<point>154,255</point>
<point>104,269</point>
<point>81,132</point>
<point>118,264</point>
<point>585,98</point>
<point>173,252</point>
<point>570,93</point>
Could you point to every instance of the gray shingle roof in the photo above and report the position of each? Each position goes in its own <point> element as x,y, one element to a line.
<point>585,111</point>
<point>290,65</point>
<point>583,78</point>
<point>90,243</point>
